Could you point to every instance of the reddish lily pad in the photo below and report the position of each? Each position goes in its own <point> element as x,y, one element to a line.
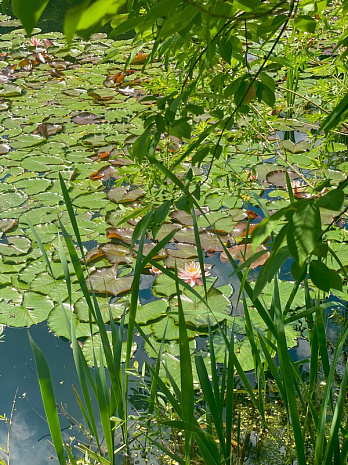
<point>105,280</point>
<point>278,177</point>
<point>105,173</point>
<point>47,129</point>
<point>242,253</point>
<point>4,148</point>
<point>86,117</point>
<point>7,224</point>
<point>122,195</point>
<point>184,218</point>
<point>94,253</point>
<point>116,253</point>
<point>122,234</point>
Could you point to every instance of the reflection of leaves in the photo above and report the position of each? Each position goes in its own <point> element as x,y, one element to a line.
<point>106,280</point>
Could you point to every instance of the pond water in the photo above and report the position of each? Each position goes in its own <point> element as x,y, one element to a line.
<point>67,112</point>
<point>29,433</point>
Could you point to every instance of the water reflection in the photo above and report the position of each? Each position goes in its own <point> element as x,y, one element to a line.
<point>17,371</point>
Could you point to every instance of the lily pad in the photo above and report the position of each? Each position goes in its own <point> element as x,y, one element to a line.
<point>150,312</point>
<point>16,245</point>
<point>106,280</point>
<point>168,328</point>
<point>116,253</point>
<point>86,117</point>
<point>123,195</point>
<point>244,252</point>
<point>7,224</point>
<point>57,323</point>
<point>92,347</point>
<point>34,309</point>
<point>278,177</point>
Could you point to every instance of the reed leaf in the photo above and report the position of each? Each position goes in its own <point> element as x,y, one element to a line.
<point>48,398</point>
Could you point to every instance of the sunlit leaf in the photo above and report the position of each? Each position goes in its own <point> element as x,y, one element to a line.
<point>105,280</point>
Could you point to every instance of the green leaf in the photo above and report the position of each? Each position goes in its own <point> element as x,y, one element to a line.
<point>304,229</point>
<point>305,23</point>
<point>97,11</point>
<point>225,49</point>
<point>72,19</point>
<point>338,115</point>
<point>48,399</point>
<point>181,129</point>
<point>178,21</point>
<point>29,12</point>
<point>323,277</point>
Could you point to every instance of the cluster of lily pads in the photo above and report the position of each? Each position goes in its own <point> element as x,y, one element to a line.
<point>71,112</point>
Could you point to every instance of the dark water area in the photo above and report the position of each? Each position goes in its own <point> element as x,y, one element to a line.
<point>52,19</point>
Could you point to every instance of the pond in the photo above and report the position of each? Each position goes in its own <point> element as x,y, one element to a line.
<point>73,114</point>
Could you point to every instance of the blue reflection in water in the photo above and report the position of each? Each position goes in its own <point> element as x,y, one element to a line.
<point>18,371</point>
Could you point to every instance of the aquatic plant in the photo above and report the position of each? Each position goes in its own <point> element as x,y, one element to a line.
<point>192,274</point>
<point>196,162</point>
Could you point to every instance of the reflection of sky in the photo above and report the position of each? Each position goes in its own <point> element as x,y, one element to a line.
<point>24,446</point>
<point>17,370</point>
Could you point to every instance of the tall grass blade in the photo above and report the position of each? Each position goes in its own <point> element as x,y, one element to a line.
<point>71,213</point>
<point>104,405</point>
<point>187,390</point>
<point>287,375</point>
<point>47,394</point>
<point>321,439</point>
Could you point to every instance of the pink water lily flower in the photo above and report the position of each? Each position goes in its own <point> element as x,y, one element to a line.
<point>192,274</point>
<point>155,271</point>
<point>35,42</point>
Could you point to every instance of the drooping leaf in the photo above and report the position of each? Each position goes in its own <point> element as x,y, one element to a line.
<point>29,12</point>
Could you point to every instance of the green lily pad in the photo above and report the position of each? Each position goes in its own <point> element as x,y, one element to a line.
<point>93,346</point>
<point>196,312</point>
<point>57,323</point>
<point>166,326</point>
<point>17,245</point>
<point>34,309</point>
<point>117,309</point>
<point>11,199</point>
<point>10,90</point>
<point>170,347</point>
<point>150,312</point>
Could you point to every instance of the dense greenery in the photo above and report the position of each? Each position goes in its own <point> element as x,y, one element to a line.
<point>242,153</point>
